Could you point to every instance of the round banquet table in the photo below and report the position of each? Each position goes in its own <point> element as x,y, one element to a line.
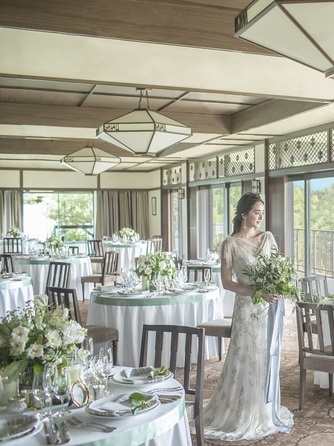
<point>166,425</point>
<point>127,253</point>
<point>37,269</point>
<point>15,293</point>
<point>128,314</point>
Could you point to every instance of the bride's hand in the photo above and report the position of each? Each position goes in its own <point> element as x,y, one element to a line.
<point>270,298</point>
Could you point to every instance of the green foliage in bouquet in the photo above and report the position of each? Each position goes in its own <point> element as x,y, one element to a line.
<point>274,274</point>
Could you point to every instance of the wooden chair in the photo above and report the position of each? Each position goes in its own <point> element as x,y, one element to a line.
<point>109,272</point>
<point>58,274</point>
<point>6,261</point>
<point>314,287</point>
<point>73,250</point>
<point>67,297</point>
<point>196,273</point>
<point>96,253</point>
<point>175,332</point>
<point>153,245</point>
<point>13,245</point>
<point>316,351</point>
<point>220,328</point>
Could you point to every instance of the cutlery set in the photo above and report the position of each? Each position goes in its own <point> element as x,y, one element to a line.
<point>56,432</point>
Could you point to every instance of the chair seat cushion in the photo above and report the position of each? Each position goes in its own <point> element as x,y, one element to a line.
<point>101,334</point>
<point>92,278</point>
<point>218,327</point>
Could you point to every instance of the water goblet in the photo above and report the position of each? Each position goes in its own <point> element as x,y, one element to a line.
<point>48,386</point>
<point>88,346</point>
<point>38,391</point>
<point>61,384</point>
<point>207,276</point>
<point>105,365</point>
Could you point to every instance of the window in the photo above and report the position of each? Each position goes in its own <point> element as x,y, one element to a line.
<point>67,215</point>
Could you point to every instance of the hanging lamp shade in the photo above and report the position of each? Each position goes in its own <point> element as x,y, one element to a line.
<point>300,30</point>
<point>143,131</point>
<point>90,161</point>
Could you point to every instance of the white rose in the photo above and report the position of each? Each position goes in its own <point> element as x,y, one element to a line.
<point>162,265</point>
<point>20,333</point>
<point>54,338</point>
<point>35,351</point>
<point>18,345</point>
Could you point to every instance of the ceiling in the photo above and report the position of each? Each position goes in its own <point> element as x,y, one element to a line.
<point>67,67</point>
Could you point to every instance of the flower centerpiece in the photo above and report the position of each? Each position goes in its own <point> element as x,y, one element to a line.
<point>14,232</point>
<point>53,243</point>
<point>34,335</point>
<point>156,263</point>
<point>127,234</point>
<point>274,274</point>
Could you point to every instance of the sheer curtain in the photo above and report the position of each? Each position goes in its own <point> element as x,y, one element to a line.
<point>118,209</point>
<point>11,204</point>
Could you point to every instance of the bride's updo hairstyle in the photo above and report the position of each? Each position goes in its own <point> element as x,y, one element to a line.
<point>243,206</point>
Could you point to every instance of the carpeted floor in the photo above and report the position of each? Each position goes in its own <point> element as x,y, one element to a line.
<point>314,426</point>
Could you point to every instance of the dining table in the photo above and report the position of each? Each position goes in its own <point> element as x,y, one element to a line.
<point>164,423</point>
<point>128,311</point>
<point>15,291</point>
<point>37,268</point>
<point>128,252</point>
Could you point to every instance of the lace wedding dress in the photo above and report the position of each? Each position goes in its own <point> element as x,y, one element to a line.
<point>237,409</point>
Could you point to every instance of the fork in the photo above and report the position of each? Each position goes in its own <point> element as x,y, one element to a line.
<point>75,422</point>
<point>163,389</point>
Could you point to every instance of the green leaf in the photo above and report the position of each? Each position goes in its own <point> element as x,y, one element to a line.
<point>14,369</point>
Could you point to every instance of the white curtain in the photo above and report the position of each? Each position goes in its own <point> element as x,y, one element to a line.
<point>11,205</point>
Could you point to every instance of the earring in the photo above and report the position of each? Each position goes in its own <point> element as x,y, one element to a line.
<point>245,226</point>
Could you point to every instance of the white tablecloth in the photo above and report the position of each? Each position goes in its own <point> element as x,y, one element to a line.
<point>38,270</point>
<point>15,293</point>
<point>127,253</point>
<point>128,314</point>
<point>167,425</point>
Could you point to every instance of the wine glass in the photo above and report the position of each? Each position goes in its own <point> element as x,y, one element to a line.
<point>48,385</point>
<point>88,346</point>
<point>105,365</point>
<point>61,385</point>
<point>38,391</point>
<point>207,275</point>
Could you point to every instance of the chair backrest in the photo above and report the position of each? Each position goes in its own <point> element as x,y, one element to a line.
<point>196,273</point>
<point>110,264</point>
<point>95,248</point>
<point>12,245</point>
<point>191,335</point>
<point>65,298</point>
<point>73,250</point>
<point>58,274</point>
<point>154,245</point>
<point>6,263</point>
<point>315,325</point>
<point>314,287</point>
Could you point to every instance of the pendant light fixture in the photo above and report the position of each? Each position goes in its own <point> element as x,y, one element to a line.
<point>90,160</point>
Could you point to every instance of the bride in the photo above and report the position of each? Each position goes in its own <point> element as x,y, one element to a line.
<point>237,410</point>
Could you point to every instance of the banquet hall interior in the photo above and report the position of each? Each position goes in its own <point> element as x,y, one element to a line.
<point>229,116</point>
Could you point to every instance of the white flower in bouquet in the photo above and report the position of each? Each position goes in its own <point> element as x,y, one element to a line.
<point>128,233</point>
<point>274,274</point>
<point>152,264</point>
<point>14,232</point>
<point>53,242</point>
<point>32,337</point>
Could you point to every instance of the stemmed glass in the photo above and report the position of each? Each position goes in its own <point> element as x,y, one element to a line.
<point>88,346</point>
<point>105,365</point>
<point>48,385</point>
<point>38,391</point>
<point>207,276</point>
<point>61,385</point>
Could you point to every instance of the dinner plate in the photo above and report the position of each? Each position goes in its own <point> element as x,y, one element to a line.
<point>140,379</point>
<point>203,286</point>
<point>119,407</point>
<point>13,427</point>
<point>133,294</point>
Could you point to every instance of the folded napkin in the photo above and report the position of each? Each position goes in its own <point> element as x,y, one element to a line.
<point>136,376</point>
<point>113,407</point>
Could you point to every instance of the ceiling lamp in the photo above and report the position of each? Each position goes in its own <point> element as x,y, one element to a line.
<point>143,131</point>
<point>299,30</point>
<point>90,161</point>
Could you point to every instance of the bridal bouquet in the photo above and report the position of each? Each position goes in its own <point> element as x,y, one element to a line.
<point>34,335</point>
<point>274,274</point>
<point>152,264</point>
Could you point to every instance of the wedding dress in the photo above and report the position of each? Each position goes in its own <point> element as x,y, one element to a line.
<point>237,409</point>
